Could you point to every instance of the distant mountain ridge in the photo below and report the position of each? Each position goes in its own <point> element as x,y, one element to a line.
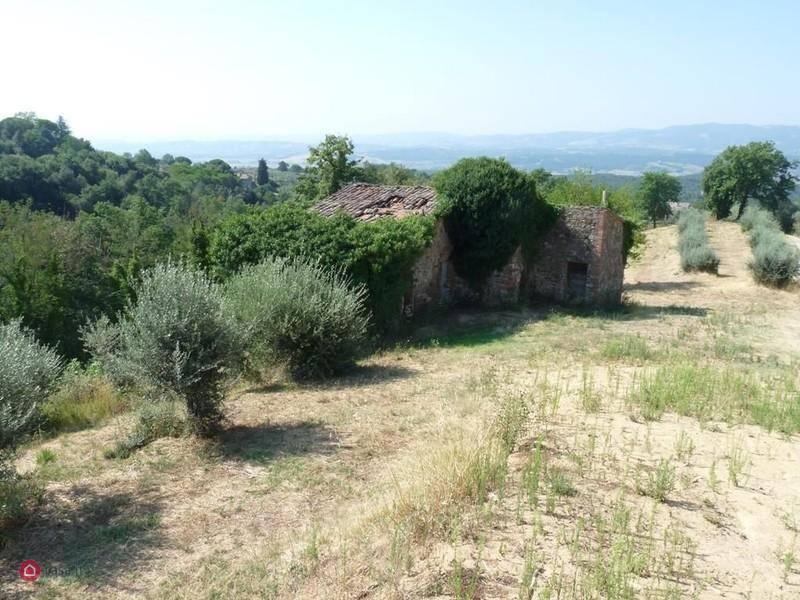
<point>680,149</point>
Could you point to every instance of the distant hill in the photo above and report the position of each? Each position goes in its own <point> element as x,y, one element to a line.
<point>682,150</point>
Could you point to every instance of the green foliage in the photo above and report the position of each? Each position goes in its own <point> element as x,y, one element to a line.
<point>330,167</point>
<point>696,253</point>
<point>175,338</point>
<point>262,174</point>
<point>77,225</point>
<point>297,313</point>
<point>775,261</point>
<point>379,255</point>
<point>25,134</point>
<point>756,171</point>
<point>699,257</point>
<point>391,174</point>
<point>660,482</point>
<point>27,372</point>
<point>730,394</point>
<point>51,276</point>
<point>656,191</point>
<point>83,398</point>
<point>489,209</point>
<point>631,347</point>
<point>753,217</point>
<point>580,190</point>
<point>561,484</point>
<point>284,230</point>
<point>384,254</point>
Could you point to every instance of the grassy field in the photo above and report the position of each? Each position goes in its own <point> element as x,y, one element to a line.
<point>649,452</point>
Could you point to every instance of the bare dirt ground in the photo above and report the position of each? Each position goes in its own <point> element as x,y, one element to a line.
<point>356,488</point>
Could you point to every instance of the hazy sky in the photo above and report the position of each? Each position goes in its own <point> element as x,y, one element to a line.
<point>167,69</point>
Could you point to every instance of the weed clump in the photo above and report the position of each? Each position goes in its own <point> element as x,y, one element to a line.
<point>728,394</point>
<point>155,419</point>
<point>660,482</point>
<point>84,397</point>
<point>461,475</point>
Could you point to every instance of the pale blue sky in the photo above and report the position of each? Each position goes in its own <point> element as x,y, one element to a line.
<point>167,69</point>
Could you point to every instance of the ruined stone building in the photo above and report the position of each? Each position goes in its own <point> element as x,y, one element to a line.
<point>578,260</point>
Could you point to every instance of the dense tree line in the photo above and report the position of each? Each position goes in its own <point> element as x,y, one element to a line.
<point>77,225</point>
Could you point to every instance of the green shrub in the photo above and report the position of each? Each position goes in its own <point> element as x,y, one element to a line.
<point>754,217</point>
<point>686,218</point>
<point>297,313</point>
<point>701,258</point>
<point>385,252</point>
<point>764,233</point>
<point>380,254</point>
<point>175,338</point>
<point>83,398</point>
<point>489,209</point>
<point>695,252</point>
<point>775,261</point>
<point>692,237</point>
<point>27,372</point>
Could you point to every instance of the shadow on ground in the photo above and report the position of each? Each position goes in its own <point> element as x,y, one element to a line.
<point>660,286</point>
<point>357,376</point>
<point>470,328</point>
<point>266,442</point>
<point>632,312</point>
<point>84,536</point>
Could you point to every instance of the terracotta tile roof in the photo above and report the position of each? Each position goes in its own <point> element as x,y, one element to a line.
<point>367,202</point>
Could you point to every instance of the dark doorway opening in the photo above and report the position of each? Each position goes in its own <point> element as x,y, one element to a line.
<point>576,281</point>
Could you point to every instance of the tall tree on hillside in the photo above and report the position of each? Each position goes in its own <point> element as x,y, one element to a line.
<point>656,191</point>
<point>330,167</point>
<point>283,166</point>
<point>756,171</point>
<point>262,177</point>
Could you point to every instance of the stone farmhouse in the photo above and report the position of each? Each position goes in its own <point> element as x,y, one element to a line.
<point>579,260</point>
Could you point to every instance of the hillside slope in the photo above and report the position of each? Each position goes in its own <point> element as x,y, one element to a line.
<point>650,452</point>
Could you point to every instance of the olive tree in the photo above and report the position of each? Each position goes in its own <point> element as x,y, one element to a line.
<point>27,372</point>
<point>176,337</point>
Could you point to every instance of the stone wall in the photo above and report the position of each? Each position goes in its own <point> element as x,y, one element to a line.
<point>582,235</point>
<point>436,282</point>
<point>430,274</point>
